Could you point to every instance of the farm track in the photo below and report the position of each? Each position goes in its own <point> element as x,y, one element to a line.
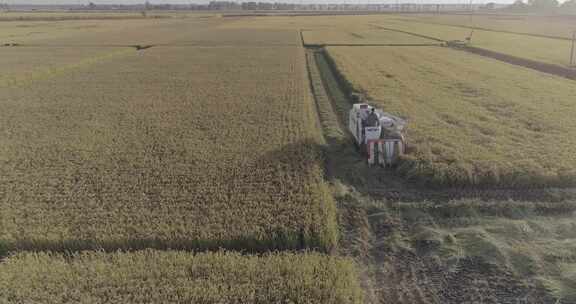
<point>548,68</point>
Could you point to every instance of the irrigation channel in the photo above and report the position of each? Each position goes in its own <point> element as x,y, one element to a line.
<point>374,232</point>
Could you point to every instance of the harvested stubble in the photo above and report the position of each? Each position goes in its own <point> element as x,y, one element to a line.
<point>530,242</point>
<point>178,277</point>
<point>167,148</point>
<point>471,120</point>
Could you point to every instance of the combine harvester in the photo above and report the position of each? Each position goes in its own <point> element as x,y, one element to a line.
<point>377,133</point>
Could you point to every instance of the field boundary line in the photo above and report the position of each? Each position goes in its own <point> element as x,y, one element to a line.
<point>408,33</point>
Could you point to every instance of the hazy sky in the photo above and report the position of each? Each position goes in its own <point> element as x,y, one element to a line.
<point>206,1</point>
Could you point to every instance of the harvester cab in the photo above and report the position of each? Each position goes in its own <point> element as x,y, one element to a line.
<point>383,143</point>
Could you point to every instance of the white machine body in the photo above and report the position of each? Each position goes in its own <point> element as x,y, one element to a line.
<point>381,148</point>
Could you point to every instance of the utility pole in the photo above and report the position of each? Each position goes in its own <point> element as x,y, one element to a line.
<point>471,22</point>
<point>572,63</point>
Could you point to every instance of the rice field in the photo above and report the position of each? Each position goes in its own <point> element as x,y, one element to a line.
<point>178,277</point>
<point>186,160</point>
<point>166,148</point>
<point>472,120</point>
<point>542,49</point>
<point>21,65</point>
<point>553,26</point>
<point>393,29</point>
<point>362,37</point>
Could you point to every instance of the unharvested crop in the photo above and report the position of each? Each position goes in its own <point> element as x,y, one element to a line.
<point>422,29</point>
<point>471,120</point>
<point>552,25</point>
<point>21,65</point>
<point>361,36</point>
<point>179,147</point>
<point>178,277</point>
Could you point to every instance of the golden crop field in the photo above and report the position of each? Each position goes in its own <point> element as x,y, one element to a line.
<point>472,120</point>
<point>28,32</point>
<point>22,65</point>
<point>394,29</point>
<point>362,37</point>
<point>554,26</point>
<point>167,147</point>
<point>203,158</point>
<point>93,33</point>
<point>178,277</point>
<point>555,51</point>
<point>65,15</point>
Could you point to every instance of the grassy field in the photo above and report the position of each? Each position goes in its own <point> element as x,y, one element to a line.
<point>163,148</point>
<point>178,277</point>
<point>472,120</point>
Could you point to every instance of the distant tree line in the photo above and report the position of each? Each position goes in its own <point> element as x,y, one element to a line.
<point>520,6</point>
<point>547,6</point>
